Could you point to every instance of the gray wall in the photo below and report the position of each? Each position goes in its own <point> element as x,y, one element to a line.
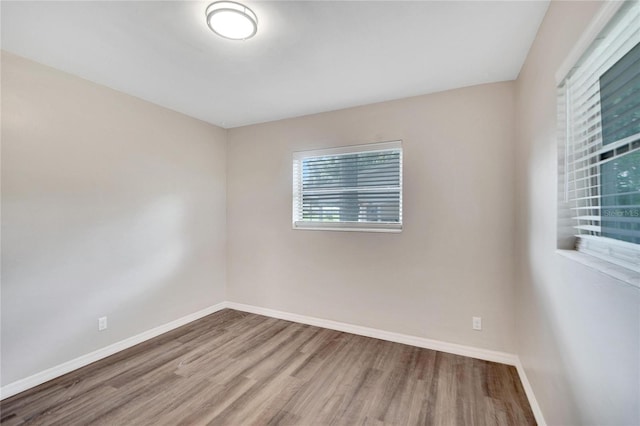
<point>578,330</point>
<point>110,206</point>
<point>454,258</point>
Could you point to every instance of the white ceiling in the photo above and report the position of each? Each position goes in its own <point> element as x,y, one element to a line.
<point>307,57</point>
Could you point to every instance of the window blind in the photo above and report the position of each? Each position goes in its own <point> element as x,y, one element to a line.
<point>600,110</point>
<point>349,188</point>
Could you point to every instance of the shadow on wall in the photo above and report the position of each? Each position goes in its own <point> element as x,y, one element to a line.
<point>587,318</point>
<point>116,257</point>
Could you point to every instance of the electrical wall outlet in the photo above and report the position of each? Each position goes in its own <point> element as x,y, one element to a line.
<point>476,323</point>
<point>102,323</point>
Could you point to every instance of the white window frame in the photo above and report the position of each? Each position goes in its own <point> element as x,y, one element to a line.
<point>617,252</point>
<point>298,158</point>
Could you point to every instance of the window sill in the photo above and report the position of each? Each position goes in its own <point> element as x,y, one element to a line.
<point>620,273</point>
<point>348,226</point>
<point>326,228</point>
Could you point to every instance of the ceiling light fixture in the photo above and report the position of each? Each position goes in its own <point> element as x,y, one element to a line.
<point>231,20</point>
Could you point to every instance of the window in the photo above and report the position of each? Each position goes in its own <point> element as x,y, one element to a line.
<point>356,188</point>
<point>600,119</point>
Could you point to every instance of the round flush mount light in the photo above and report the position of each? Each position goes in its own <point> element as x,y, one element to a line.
<point>231,20</point>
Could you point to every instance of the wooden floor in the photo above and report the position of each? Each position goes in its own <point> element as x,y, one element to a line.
<point>234,368</point>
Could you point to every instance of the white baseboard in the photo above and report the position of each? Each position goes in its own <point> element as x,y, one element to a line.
<point>533,402</point>
<point>421,342</point>
<point>64,368</point>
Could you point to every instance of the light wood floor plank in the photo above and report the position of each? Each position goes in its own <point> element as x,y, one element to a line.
<point>235,368</point>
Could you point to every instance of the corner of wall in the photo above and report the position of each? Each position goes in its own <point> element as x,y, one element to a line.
<point>226,208</point>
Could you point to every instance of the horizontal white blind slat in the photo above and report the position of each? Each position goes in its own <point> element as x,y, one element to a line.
<point>346,186</point>
<point>599,108</point>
